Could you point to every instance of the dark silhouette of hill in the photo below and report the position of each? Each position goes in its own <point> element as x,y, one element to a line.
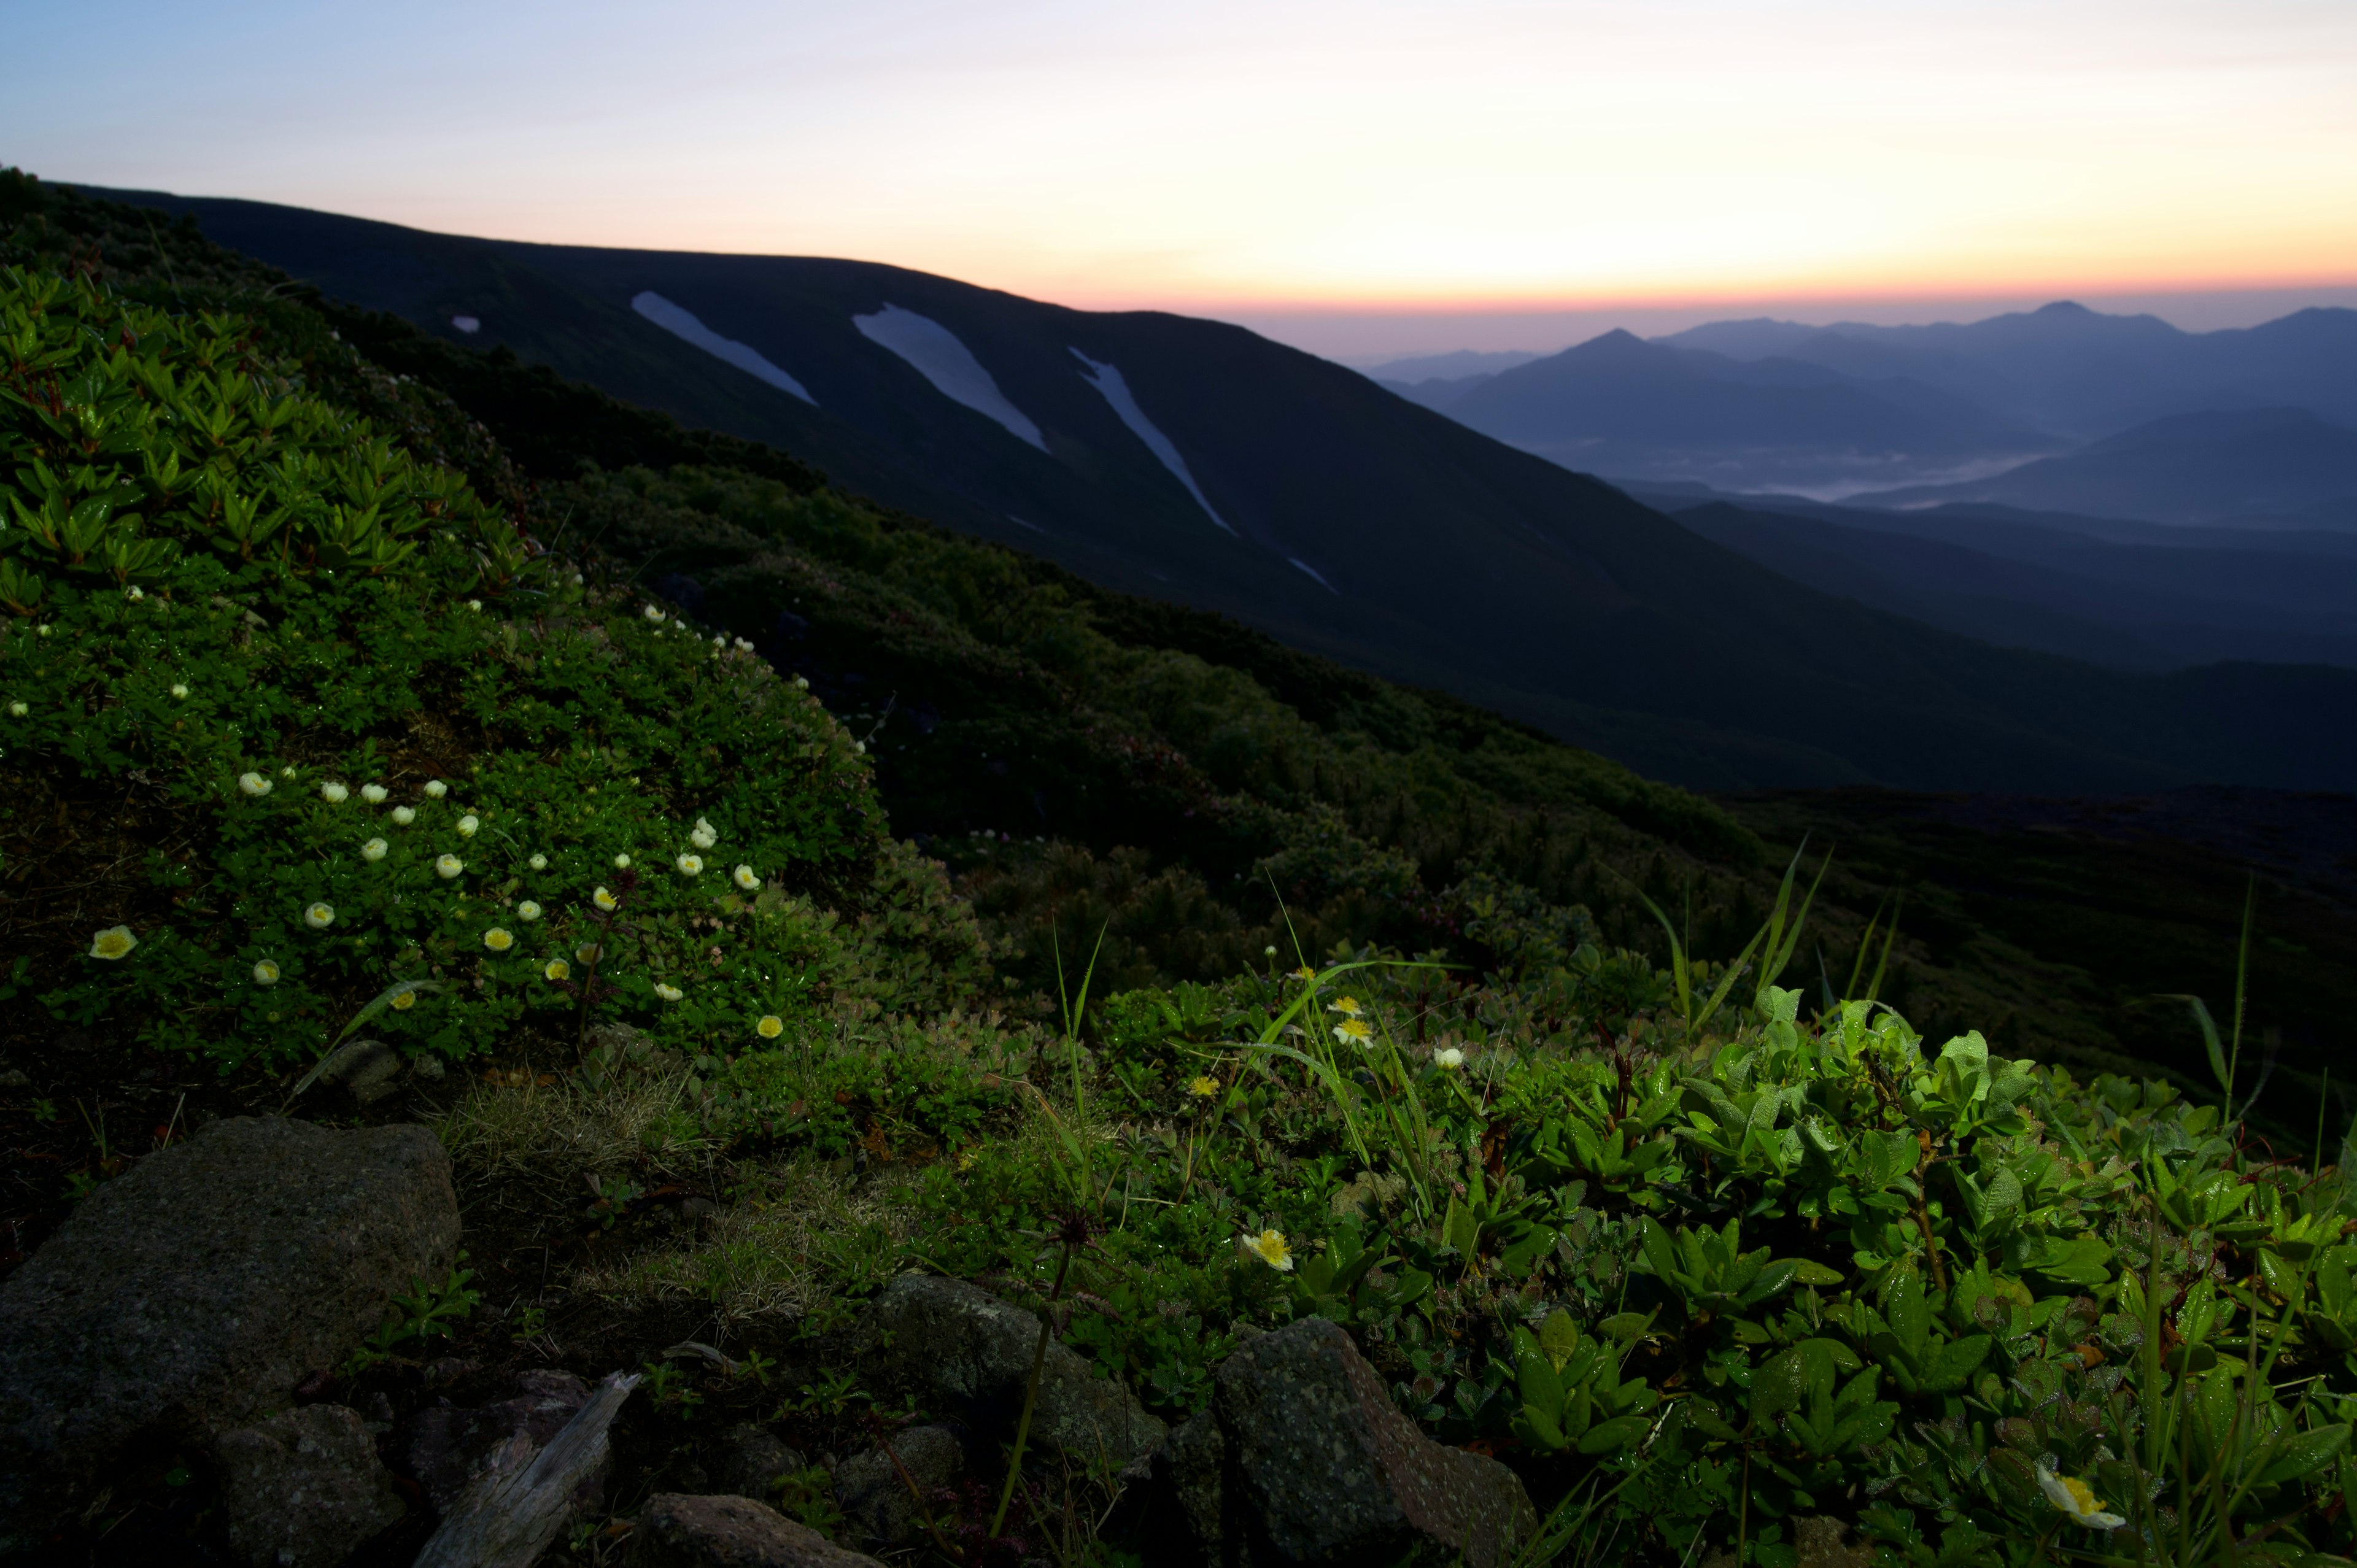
<point>1199,463</point>
<point>2270,464</point>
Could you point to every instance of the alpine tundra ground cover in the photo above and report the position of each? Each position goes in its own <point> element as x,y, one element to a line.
<point>316,755</point>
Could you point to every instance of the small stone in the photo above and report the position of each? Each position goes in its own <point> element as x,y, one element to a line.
<point>14,1078</point>
<point>753,1460</point>
<point>303,1489</point>
<point>963,1352</point>
<point>874,1497</point>
<point>1318,1465</point>
<point>675,1531</point>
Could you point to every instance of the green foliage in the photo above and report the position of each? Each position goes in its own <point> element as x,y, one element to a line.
<point>358,795</point>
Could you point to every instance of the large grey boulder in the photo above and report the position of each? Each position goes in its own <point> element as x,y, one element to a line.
<point>303,1488</point>
<point>675,1531</point>
<point>963,1352</point>
<point>1304,1459</point>
<point>192,1295</point>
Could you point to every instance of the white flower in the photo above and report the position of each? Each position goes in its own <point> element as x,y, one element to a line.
<point>1269,1248</point>
<point>265,973</point>
<point>742,646</point>
<point>859,748</point>
<point>704,834</point>
<point>112,942</point>
<point>403,815</point>
<point>374,849</point>
<point>436,788</point>
<point>180,690</point>
<point>42,630</point>
<point>801,683</point>
<point>253,784</point>
<point>287,772</point>
<point>653,614</point>
<point>18,710</point>
<point>556,969</point>
<point>374,794</point>
<point>771,1027</point>
<point>1448,1060</point>
<point>498,938</point>
<point>1269,951</point>
<point>2075,1498</point>
<point>538,863</point>
<point>586,953</point>
<point>668,992</point>
<point>527,911</point>
<point>468,824</point>
<point>334,793</point>
<point>604,900</point>
<point>747,878</point>
<point>475,606</point>
<point>133,593</point>
<point>446,866</point>
<point>319,917</point>
<point>403,1001</point>
<point>718,641</point>
<point>621,863</point>
<point>1354,1032</point>
<point>690,865</point>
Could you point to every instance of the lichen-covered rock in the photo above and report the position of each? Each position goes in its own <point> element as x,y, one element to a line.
<point>193,1294</point>
<point>303,1488</point>
<point>1303,1459</point>
<point>874,1495</point>
<point>675,1531</point>
<point>963,1352</point>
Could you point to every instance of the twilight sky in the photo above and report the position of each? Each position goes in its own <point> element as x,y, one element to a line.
<point>1371,176</point>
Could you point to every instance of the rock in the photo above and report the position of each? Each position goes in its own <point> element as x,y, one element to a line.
<point>368,1070</point>
<point>194,1293</point>
<point>14,1078</point>
<point>1303,1458</point>
<point>873,1496</point>
<point>303,1489</point>
<point>963,1352</point>
<point>447,1446</point>
<point>679,1531</point>
<point>752,1459</point>
<point>1823,1541</point>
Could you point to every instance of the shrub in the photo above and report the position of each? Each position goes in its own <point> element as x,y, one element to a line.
<point>329,742</point>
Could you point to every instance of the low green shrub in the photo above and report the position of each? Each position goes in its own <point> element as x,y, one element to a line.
<point>300,738</point>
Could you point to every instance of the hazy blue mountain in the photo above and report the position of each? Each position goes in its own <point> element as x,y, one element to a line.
<point>2075,371</point>
<point>1200,463</point>
<point>1454,366</point>
<point>1619,404</point>
<point>2272,464</point>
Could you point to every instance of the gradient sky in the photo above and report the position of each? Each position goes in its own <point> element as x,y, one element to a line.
<point>1473,167</point>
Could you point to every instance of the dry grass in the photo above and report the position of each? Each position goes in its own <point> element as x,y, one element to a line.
<point>796,1237</point>
<point>537,1137</point>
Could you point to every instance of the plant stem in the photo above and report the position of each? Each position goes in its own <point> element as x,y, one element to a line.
<point>1030,1394</point>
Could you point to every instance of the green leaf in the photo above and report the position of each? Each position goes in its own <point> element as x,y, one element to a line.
<point>2305,1454</point>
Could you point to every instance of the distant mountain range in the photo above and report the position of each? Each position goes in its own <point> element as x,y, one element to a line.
<point>1953,411</point>
<point>1197,462</point>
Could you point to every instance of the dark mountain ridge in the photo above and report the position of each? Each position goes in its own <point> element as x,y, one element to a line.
<point>1197,462</point>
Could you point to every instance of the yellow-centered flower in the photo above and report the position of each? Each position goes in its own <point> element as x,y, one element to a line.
<point>527,910</point>
<point>253,784</point>
<point>690,865</point>
<point>747,877</point>
<point>374,849</point>
<point>1203,1088</point>
<point>319,917</point>
<point>1347,1006</point>
<point>2077,1500</point>
<point>112,942</point>
<point>1448,1058</point>
<point>446,866</point>
<point>771,1027</point>
<point>265,972</point>
<point>668,992</point>
<point>604,900</point>
<point>498,938</point>
<point>1269,1248</point>
<point>556,969</point>
<point>405,1001</point>
<point>1354,1032</point>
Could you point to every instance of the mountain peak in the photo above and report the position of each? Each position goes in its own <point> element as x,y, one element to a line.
<point>2062,308</point>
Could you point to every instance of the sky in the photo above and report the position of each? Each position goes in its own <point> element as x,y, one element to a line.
<point>1379,176</point>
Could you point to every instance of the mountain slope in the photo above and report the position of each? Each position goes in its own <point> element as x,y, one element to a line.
<point>2272,464</point>
<point>1331,513</point>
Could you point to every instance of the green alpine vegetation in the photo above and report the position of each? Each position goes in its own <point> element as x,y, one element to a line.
<point>1224,988</point>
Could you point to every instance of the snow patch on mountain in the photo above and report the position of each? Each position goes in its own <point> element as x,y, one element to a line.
<point>941,356</point>
<point>682,323</point>
<point>1107,380</point>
